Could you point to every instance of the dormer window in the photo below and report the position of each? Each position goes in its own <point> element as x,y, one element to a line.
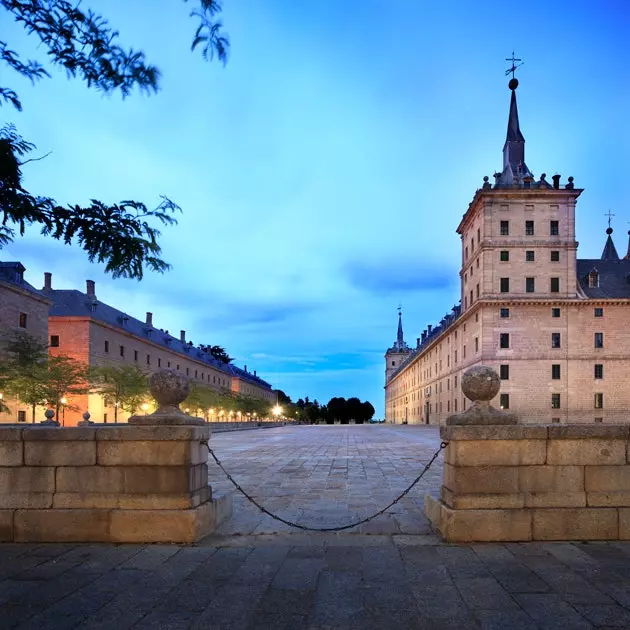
<point>593,279</point>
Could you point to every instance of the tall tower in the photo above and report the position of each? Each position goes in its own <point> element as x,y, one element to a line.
<point>398,352</point>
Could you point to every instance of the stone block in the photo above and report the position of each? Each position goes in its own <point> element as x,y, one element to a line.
<point>582,451</point>
<point>131,479</point>
<point>479,525</point>
<point>624,523</point>
<point>608,499</point>
<point>27,479</point>
<point>11,453</point>
<point>496,452</point>
<point>38,433</point>
<point>555,499</point>
<point>607,478</point>
<point>26,500</point>
<point>11,433</point>
<point>129,433</point>
<point>493,432</point>
<point>481,501</point>
<point>61,526</point>
<point>575,524</point>
<point>103,501</point>
<point>588,431</point>
<point>481,479</point>
<point>6,525</point>
<point>551,479</point>
<point>60,453</point>
<point>150,453</point>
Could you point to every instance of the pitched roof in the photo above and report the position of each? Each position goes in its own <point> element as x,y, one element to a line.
<point>614,278</point>
<point>609,252</point>
<point>72,303</point>
<point>12,273</point>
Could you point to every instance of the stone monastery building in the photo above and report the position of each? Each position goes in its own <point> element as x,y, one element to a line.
<point>80,326</point>
<point>553,326</point>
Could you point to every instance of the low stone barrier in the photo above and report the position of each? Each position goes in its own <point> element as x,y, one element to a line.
<point>524,482</point>
<point>222,427</point>
<point>106,484</point>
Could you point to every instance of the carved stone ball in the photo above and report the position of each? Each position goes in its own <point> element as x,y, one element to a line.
<point>480,383</point>
<point>169,388</point>
<point>86,416</point>
<point>49,414</point>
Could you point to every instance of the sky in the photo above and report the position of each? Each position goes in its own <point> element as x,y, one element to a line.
<point>323,171</point>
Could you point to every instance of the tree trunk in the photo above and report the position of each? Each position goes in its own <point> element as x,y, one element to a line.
<point>33,415</point>
<point>115,413</point>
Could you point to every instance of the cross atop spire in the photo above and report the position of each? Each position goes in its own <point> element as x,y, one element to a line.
<point>514,65</point>
<point>610,215</point>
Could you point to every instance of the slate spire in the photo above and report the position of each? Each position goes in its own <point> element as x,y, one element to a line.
<point>627,256</point>
<point>610,252</point>
<point>514,147</point>
<point>400,341</point>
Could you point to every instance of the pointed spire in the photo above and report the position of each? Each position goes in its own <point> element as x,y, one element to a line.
<point>399,337</point>
<point>514,130</point>
<point>610,252</point>
<point>627,256</point>
<point>514,147</point>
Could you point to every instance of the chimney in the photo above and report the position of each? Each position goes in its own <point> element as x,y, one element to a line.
<point>149,319</point>
<point>254,372</point>
<point>48,281</point>
<point>417,342</point>
<point>429,327</point>
<point>182,336</point>
<point>90,288</point>
<point>245,367</point>
<point>556,181</point>
<point>424,335</point>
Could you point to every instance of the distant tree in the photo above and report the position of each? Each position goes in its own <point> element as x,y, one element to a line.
<point>337,410</point>
<point>65,377</point>
<point>368,411</point>
<point>125,387</point>
<point>354,409</point>
<point>123,235</point>
<point>218,353</point>
<point>23,371</point>
<point>283,399</point>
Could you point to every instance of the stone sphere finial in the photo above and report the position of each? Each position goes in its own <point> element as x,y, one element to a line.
<point>86,416</point>
<point>169,388</point>
<point>49,414</point>
<point>480,383</point>
<point>50,419</point>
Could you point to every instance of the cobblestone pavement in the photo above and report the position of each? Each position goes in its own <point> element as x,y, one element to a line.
<point>248,579</point>
<point>326,476</point>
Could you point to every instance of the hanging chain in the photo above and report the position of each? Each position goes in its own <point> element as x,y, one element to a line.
<point>251,499</point>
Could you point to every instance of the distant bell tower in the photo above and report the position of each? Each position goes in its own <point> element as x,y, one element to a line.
<point>398,352</point>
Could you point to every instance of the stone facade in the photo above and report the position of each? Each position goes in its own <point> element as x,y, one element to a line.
<point>546,482</point>
<point>529,309</point>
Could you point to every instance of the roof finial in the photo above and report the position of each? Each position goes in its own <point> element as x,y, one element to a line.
<point>610,215</point>
<point>400,340</point>
<point>513,84</point>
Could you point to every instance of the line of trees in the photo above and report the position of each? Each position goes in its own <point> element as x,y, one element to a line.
<point>29,374</point>
<point>338,409</point>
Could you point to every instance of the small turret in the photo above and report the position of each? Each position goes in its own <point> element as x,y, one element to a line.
<point>398,352</point>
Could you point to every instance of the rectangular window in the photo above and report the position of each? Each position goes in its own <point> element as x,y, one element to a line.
<point>187,371</point>
<point>555,340</point>
<point>504,340</point>
<point>122,351</point>
<point>555,371</point>
<point>54,341</point>
<point>504,371</point>
<point>168,364</point>
<point>555,256</point>
<point>555,312</point>
<point>599,370</point>
<point>105,418</point>
<point>504,401</point>
<point>505,228</point>
<point>529,228</point>
<point>555,420</point>
<point>455,362</point>
<point>599,340</point>
<point>21,416</point>
<point>554,228</point>
<point>464,352</point>
<point>135,355</point>
<point>555,285</point>
<point>477,289</point>
<point>599,420</point>
<point>148,359</point>
<point>505,285</point>
<point>505,312</point>
<point>504,255</point>
<point>479,235</point>
<point>455,381</point>
<point>599,400</point>
<point>529,285</point>
<point>599,312</point>
<point>23,320</point>
<point>178,367</point>
<point>529,256</point>
<point>555,401</point>
<point>107,346</point>
<point>476,344</point>
<point>159,362</point>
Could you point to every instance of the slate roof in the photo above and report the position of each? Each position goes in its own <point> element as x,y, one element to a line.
<point>13,273</point>
<point>72,303</point>
<point>614,278</point>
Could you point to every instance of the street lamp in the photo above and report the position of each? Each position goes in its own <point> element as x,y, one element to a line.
<point>144,408</point>
<point>277,410</point>
<point>64,402</point>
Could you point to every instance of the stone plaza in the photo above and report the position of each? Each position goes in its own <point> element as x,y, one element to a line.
<point>256,573</point>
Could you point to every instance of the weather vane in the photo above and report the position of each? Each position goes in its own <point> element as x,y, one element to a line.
<point>610,215</point>
<point>399,308</point>
<point>514,65</point>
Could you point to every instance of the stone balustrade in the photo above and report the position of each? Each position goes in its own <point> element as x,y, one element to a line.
<point>525,482</point>
<point>104,483</point>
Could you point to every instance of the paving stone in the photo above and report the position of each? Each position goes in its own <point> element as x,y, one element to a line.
<point>339,599</point>
<point>550,612</point>
<point>485,593</point>
<point>298,574</point>
<point>500,620</point>
<point>602,614</point>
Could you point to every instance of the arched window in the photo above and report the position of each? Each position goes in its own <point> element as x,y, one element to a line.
<point>593,280</point>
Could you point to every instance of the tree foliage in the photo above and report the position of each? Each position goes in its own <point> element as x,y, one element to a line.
<point>218,353</point>
<point>350,409</point>
<point>124,236</point>
<point>66,377</point>
<point>125,387</point>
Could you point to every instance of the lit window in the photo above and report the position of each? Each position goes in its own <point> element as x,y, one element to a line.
<point>598,400</point>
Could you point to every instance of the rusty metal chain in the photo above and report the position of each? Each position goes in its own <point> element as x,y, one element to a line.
<point>443,445</point>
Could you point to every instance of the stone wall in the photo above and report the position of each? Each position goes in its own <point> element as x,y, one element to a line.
<point>106,484</point>
<point>546,482</point>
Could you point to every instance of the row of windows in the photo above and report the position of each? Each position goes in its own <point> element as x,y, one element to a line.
<point>598,371</point>
<point>598,401</point>
<point>530,285</point>
<point>555,312</point>
<point>554,228</point>
<point>598,340</point>
<point>530,255</point>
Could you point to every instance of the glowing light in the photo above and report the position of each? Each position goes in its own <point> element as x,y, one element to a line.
<point>64,401</point>
<point>277,410</point>
<point>144,407</point>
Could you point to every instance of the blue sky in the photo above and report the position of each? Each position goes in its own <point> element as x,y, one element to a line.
<point>323,171</point>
